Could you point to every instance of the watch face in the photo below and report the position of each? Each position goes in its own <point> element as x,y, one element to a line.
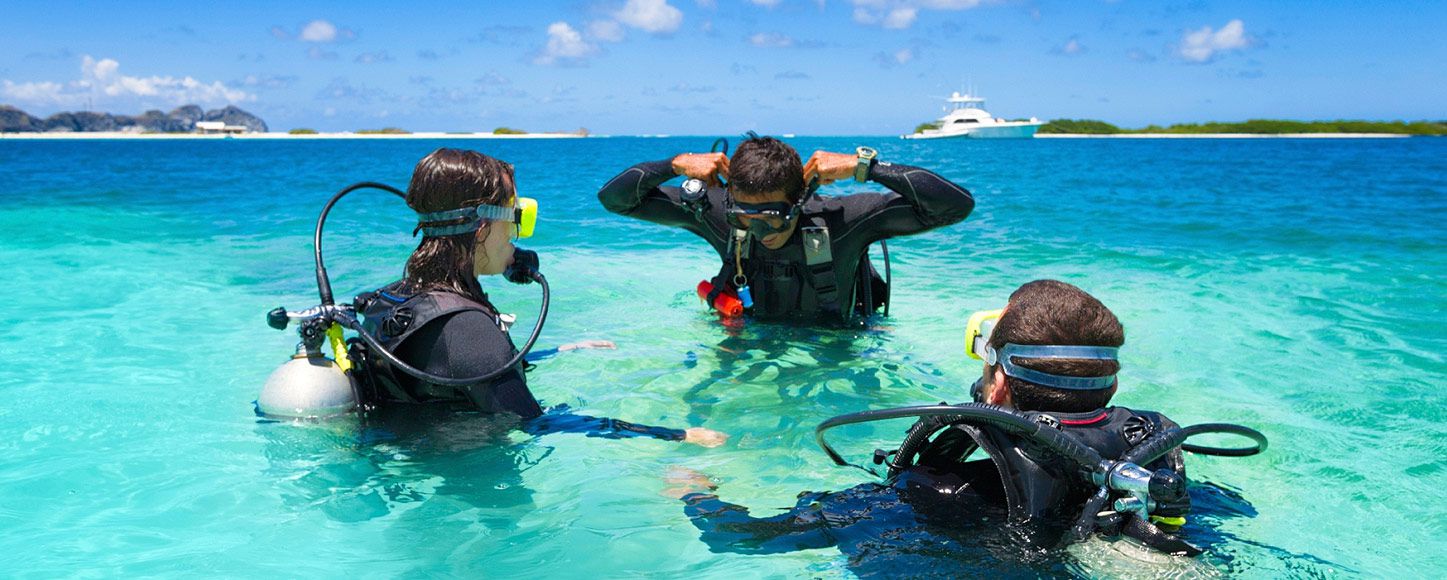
<point>693,188</point>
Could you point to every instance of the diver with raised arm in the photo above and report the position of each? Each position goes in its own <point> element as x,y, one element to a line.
<point>1055,455</point>
<point>786,252</point>
<point>433,339</point>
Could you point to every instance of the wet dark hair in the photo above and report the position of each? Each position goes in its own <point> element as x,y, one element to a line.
<point>451,179</point>
<point>763,165</point>
<point>1051,312</point>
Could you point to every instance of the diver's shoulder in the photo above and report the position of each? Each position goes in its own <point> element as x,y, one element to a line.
<point>1156,417</point>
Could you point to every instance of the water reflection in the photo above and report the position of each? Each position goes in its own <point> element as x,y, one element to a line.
<point>390,463</point>
<point>798,363</point>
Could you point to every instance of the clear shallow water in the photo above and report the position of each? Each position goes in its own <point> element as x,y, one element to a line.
<point>1296,286</point>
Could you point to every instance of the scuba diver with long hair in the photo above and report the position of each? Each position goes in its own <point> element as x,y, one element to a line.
<point>433,340</point>
<point>1055,454</point>
<point>787,252</point>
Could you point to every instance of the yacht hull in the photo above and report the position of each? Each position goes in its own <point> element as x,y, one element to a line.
<point>1002,131</point>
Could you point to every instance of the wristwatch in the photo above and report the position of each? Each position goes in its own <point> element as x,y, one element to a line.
<point>866,158</point>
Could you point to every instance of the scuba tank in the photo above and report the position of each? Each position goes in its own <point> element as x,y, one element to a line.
<point>311,385</point>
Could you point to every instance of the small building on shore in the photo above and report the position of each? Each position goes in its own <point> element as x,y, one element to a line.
<point>219,128</point>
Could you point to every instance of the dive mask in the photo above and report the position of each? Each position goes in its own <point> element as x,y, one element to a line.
<point>977,345</point>
<point>523,215</point>
<point>762,219</point>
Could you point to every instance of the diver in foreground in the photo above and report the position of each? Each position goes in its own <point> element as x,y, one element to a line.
<point>1056,454</point>
<point>787,252</point>
<point>433,339</point>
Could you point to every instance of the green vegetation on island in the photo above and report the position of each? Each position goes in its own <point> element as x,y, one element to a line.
<point>508,131</point>
<point>922,127</point>
<point>1253,126</point>
<point>384,131</point>
<point>302,131</point>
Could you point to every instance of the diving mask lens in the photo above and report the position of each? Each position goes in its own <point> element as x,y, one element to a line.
<point>527,216</point>
<point>762,219</point>
<point>978,330</point>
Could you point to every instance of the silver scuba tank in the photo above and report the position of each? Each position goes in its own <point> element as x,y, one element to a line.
<point>309,386</point>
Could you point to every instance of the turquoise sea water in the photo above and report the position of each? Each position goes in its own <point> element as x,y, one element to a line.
<point>1297,286</point>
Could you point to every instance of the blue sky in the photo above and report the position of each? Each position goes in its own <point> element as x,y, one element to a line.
<point>725,66</point>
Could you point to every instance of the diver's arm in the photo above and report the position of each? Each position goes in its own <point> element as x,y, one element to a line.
<point>537,354</point>
<point>636,193</point>
<point>561,420</point>
<point>728,527</point>
<point>921,201</point>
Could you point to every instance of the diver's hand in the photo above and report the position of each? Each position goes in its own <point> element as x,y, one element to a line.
<point>524,266</point>
<point>830,167</point>
<point>704,437</point>
<point>683,481</point>
<point>582,344</point>
<point>705,166</point>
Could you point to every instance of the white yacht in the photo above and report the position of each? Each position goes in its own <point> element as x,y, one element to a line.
<point>967,118</point>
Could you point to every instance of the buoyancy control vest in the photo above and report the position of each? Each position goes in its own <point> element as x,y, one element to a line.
<point>781,283</point>
<point>1035,485</point>
<point>392,315</point>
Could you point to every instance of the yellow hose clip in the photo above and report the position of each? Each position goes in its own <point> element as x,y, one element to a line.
<point>1169,524</point>
<point>339,347</point>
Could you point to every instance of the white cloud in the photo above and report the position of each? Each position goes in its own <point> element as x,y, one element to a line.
<point>904,55</point>
<point>605,30</point>
<point>1203,45</point>
<point>319,31</point>
<point>102,83</point>
<point>900,18</point>
<point>1071,47</point>
<point>44,92</point>
<point>654,16</point>
<point>765,3</point>
<point>901,14</point>
<point>564,45</point>
<point>771,40</point>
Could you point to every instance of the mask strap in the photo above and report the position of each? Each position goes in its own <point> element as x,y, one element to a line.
<point>1005,355</point>
<point>472,219</point>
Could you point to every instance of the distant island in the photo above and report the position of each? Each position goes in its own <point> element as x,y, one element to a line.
<point>1251,127</point>
<point>186,119</point>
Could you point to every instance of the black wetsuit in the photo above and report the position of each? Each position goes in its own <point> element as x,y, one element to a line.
<point>942,509</point>
<point>471,343</point>
<point>782,284</point>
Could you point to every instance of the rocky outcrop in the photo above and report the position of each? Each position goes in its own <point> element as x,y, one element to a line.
<point>180,120</point>
<point>13,120</point>
<point>234,116</point>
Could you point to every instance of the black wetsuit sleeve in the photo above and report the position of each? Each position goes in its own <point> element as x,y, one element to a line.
<point>920,200</point>
<point>469,344</point>
<point>564,421</point>
<point>636,193</point>
<point>728,527</point>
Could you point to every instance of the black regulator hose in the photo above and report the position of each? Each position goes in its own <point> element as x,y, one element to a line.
<point>324,284</point>
<point>1156,447</point>
<point>349,320</point>
<point>1049,437</point>
<point>1162,444</point>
